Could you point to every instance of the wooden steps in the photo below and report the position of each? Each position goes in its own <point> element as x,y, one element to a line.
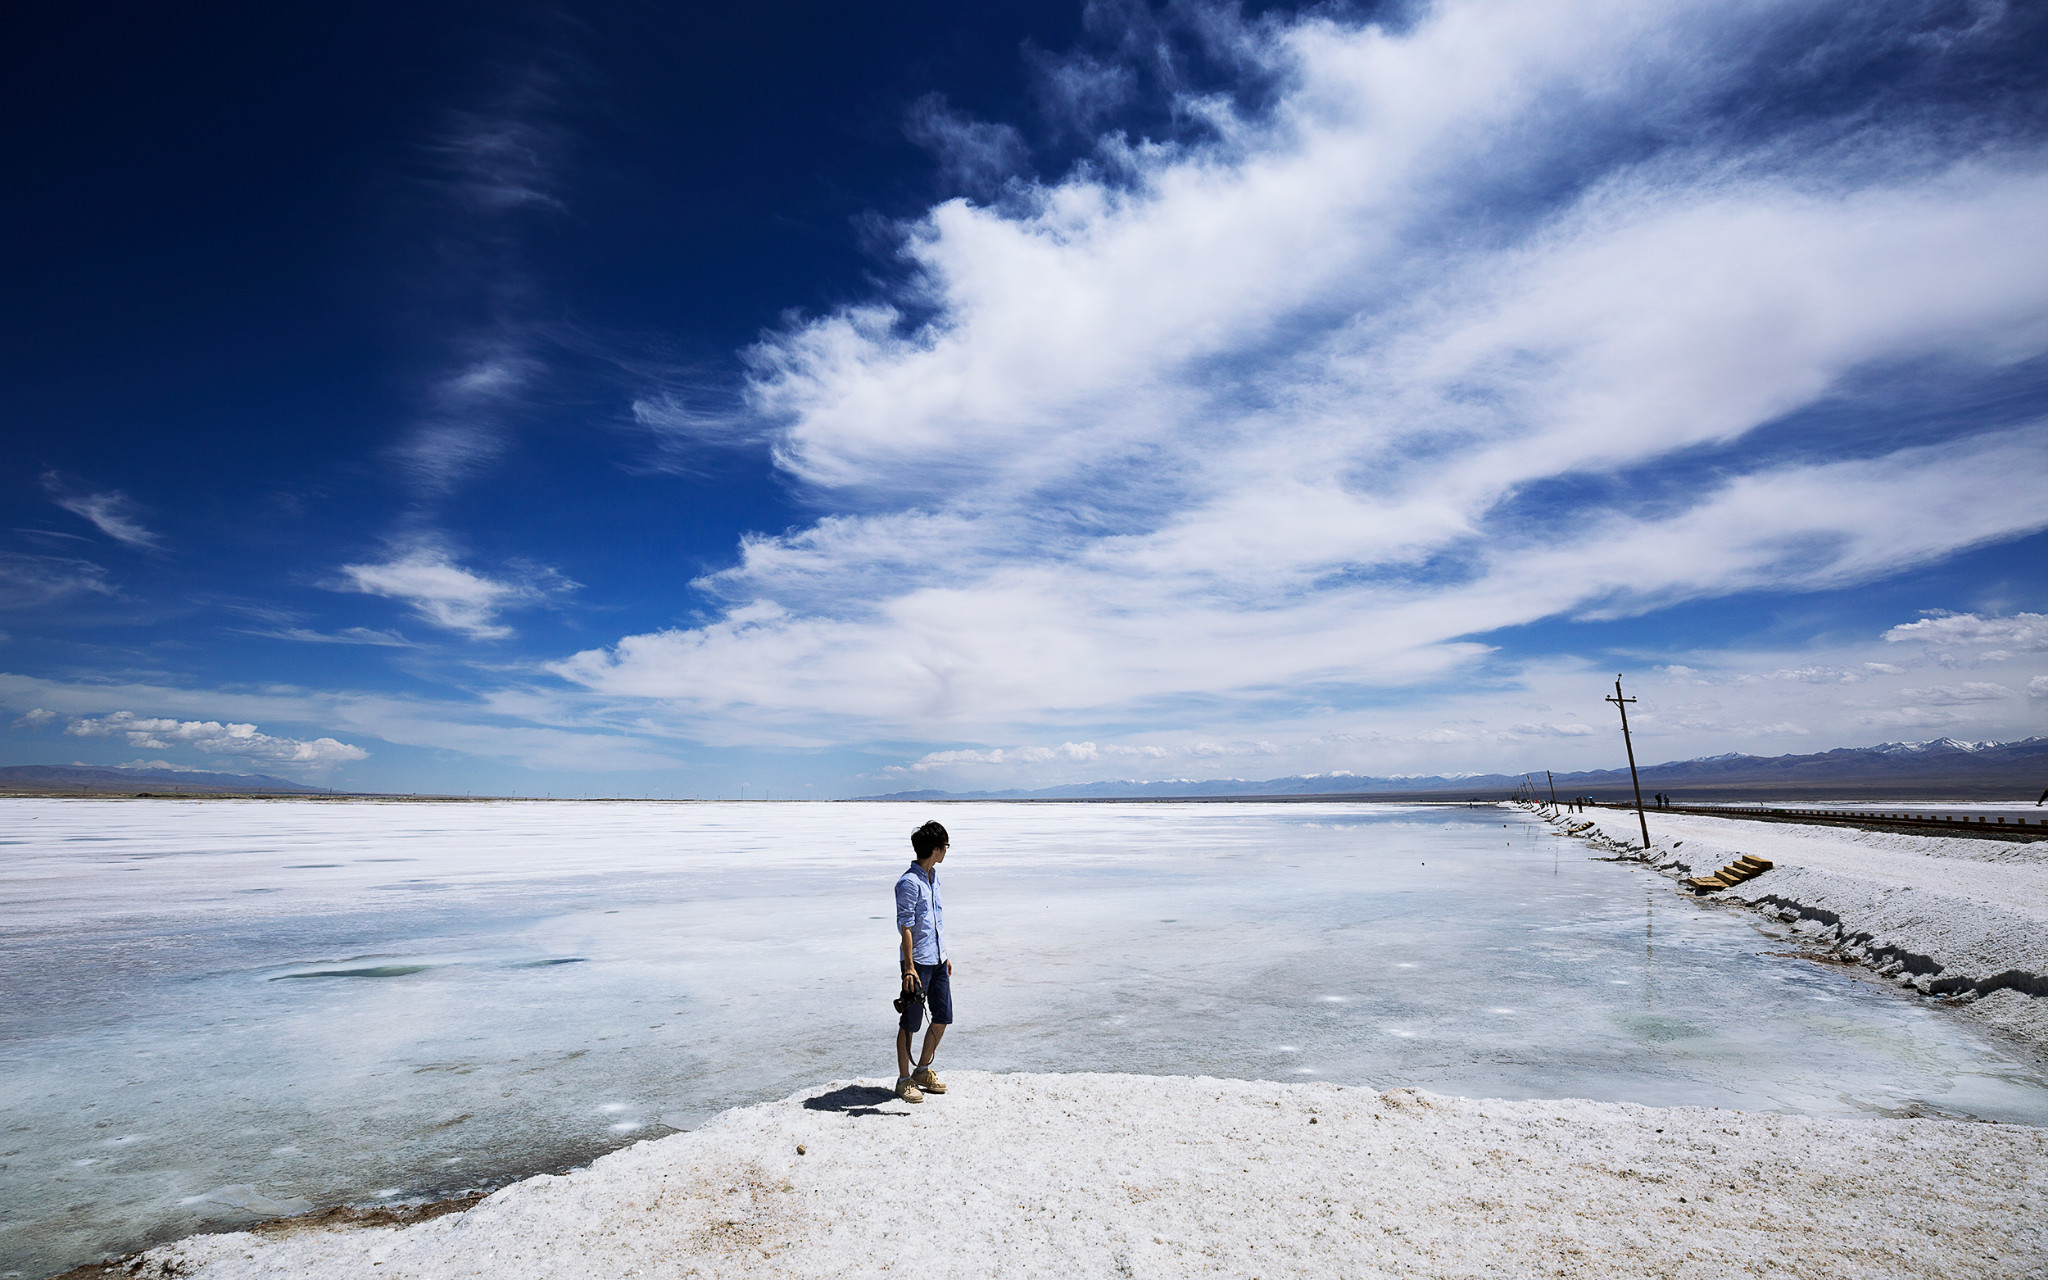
<point>1743,868</point>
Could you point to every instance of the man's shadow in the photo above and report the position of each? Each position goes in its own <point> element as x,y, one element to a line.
<point>854,1100</point>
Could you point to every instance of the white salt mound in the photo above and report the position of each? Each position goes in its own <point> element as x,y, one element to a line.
<point>1103,1175</point>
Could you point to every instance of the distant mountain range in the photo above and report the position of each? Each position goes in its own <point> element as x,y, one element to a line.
<point>45,779</point>
<point>1944,769</point>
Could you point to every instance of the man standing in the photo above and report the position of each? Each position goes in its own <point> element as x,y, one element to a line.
<point>920,925</point>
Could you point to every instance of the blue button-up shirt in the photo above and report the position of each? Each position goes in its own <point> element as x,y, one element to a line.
<point>918,910</point>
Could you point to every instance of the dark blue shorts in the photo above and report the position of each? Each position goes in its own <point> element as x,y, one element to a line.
<point>938,993</point>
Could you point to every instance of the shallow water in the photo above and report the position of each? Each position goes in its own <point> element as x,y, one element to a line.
<point>274,1003</point>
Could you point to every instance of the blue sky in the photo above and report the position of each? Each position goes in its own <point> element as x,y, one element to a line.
<point>830,401</point>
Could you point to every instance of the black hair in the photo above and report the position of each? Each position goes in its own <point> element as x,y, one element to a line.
<point>927,838</point>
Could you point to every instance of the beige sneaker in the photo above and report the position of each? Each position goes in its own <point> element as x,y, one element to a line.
<point>928,1080</point>
<point>908,1091</point>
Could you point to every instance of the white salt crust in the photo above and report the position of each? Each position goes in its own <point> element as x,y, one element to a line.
<point>1945,915</point>
<point>1104,1175</point>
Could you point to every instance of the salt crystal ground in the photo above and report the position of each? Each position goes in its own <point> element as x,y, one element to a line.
<point>1107,1175</point>
<point>1146,1175</point>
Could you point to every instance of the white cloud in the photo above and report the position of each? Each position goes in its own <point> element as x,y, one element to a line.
<point>1910,718</point>
<point>113,513</point>
<point>214,738</point>
<point>1260,417</point>
<point>1813,675</point>
<point>1552,730</point>
<point>442,592</point>
<point>1713,702</point>
<point>2038,687</point>
<point>36,718</point>
<point>2021,631</point>
<point>1067,753</point>
<point>1947,695</point>
<point>536,729</point>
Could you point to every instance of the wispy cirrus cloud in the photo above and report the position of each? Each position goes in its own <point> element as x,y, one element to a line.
<point>371,636</point>
<point>976,156</point>
<point>468,409</point>
<point>112,512</point>
<point>1486,320</point>
<point>33,581</point>
<point>504,157</point>
<point>492,170</point>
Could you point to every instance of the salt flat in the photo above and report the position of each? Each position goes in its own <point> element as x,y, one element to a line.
<point>221,1011</point>
<point>1103,1175</point>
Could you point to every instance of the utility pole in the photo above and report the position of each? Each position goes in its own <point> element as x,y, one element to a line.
<point>1553,789</point>
<point>1621,705</point>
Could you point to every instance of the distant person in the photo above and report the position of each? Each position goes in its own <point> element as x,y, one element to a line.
<point>927,973</point>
